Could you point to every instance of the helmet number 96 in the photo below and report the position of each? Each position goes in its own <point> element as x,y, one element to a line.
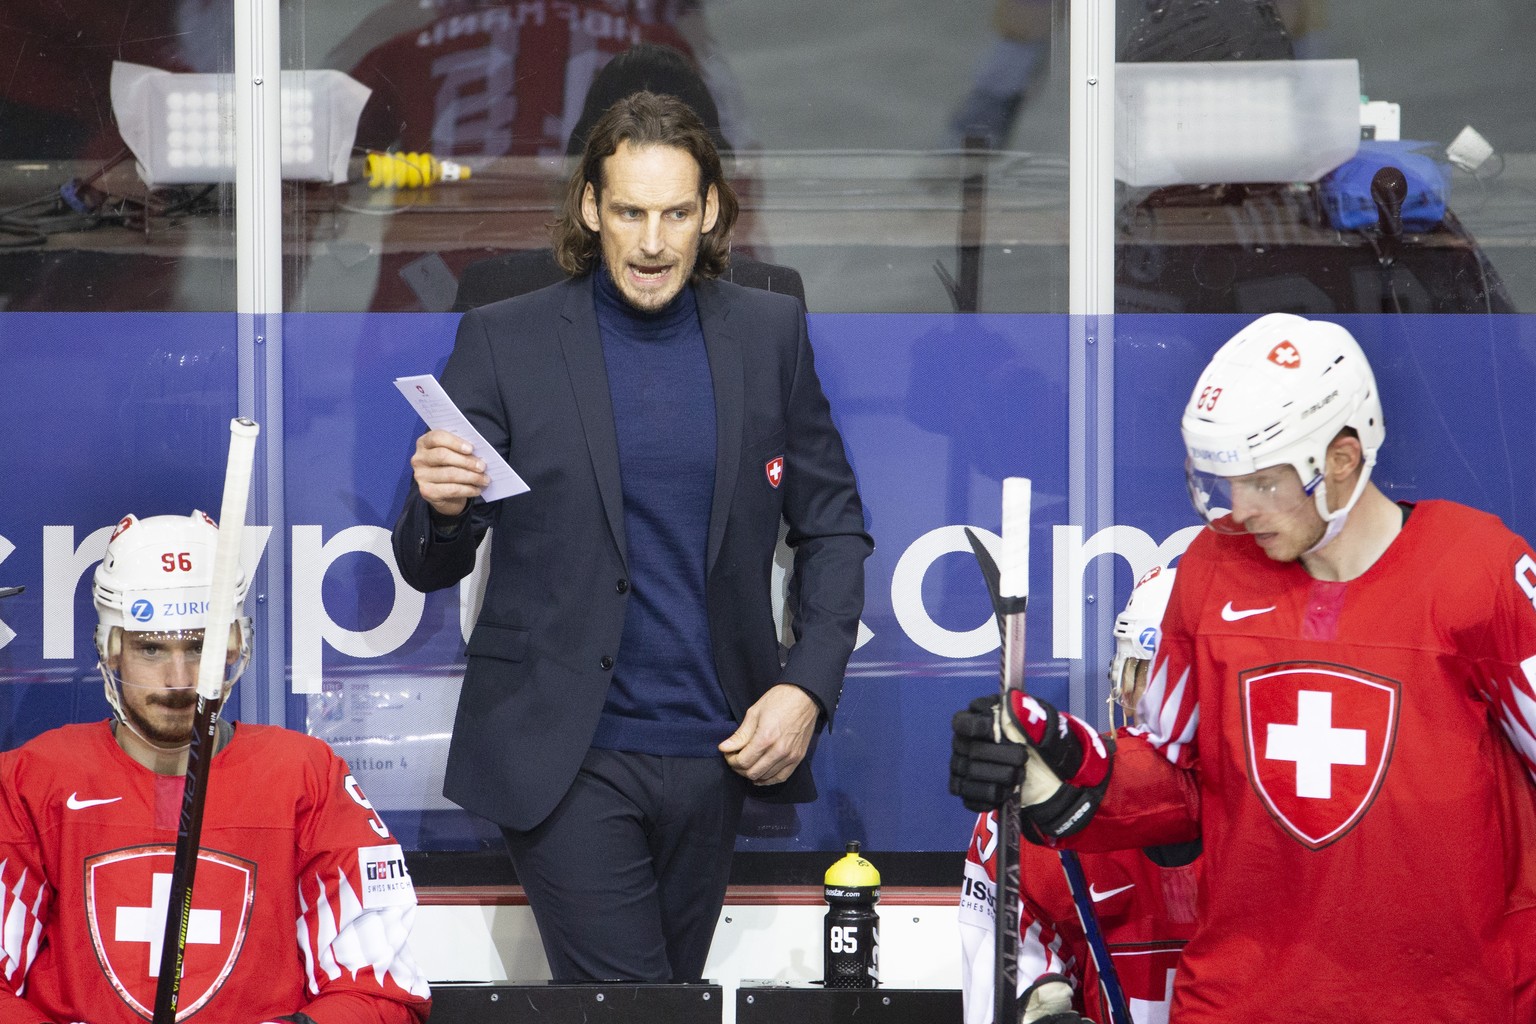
<point>1207,400</point>
<point>177,561</point>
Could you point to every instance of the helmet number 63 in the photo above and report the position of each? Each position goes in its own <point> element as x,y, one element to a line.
<point>1207,399</point>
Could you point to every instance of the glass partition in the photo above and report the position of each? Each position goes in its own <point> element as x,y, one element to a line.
<point>80,230</point>
<point>1309,239</point>
<point>846,131</point>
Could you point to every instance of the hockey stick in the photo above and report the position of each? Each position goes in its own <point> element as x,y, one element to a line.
<point>1082,899</point>
<point>1009,589</point>
<point>211,671</point>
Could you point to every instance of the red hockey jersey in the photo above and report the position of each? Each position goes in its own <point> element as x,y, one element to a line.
<point>1146,912</point>
<point>301,902</point>
<point>1359,758</point>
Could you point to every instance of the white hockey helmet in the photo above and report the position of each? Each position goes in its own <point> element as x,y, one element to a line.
<point>154,578</point>
<point>1138,628</point>
<point>1277,394</point>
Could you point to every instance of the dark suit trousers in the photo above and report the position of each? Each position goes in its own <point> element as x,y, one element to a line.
<point>627,875</point>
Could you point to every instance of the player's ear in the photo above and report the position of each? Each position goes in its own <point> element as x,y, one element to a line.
<point>589,208</point>
<point>232,652</point>
<point>113,655</point>
<point>711,209</point>
<point>1345,456</point>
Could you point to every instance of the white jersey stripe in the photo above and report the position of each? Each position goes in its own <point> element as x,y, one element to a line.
<point>1161,710</point>
<point>325,933</point>
<point>1517,726</point>
<point>20,931</point>
<point>304,946</point>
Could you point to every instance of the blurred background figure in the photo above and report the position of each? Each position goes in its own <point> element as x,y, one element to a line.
<point>1009,68</point>
<point>1016,65</point>
<point>510,79</point>
<point>57,60</point>
<point>1203,30</point>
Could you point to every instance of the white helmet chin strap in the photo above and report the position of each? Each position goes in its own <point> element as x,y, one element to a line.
<point>1336,518</point>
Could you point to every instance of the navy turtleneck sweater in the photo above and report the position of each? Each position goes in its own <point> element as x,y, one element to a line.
<point>665,697</point>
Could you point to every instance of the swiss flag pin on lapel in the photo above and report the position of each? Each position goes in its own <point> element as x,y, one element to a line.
<point>775,470</point>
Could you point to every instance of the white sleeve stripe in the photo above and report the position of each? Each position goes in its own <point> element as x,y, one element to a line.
<point>37,933</point>
<point>356,939</point>
<point>346,951</point>
<point>304,946</point>
<point>18,942</point>
<point>1187,736</point>
<point>1517,726</point>
<point>1161,709</point>
<point>325,938</point>
<point>1037,957</point>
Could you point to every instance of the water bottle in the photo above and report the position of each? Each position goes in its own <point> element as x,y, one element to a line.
<point>851,954</point>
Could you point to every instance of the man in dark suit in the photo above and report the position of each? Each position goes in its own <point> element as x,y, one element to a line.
<point>625,685</point>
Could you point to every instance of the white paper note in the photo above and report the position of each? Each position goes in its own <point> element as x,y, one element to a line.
<point>434,406</point>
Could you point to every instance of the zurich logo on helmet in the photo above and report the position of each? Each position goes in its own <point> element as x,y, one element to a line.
<point>1148,638</point>
<point>142,610</point>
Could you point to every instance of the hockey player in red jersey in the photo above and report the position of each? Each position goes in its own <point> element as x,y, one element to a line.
<point>1341,706</point>
<point>1144,899</point>
<point>488,79</point>
<point>302,903</point>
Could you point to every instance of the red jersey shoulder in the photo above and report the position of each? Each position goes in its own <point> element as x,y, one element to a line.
<point>1457,535</point>
<point>1474,559</point>
<point>47,759</point>
<point>67,741</point>
<point>278,745</point>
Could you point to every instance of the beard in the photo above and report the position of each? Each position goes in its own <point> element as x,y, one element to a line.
<point>164,730</point>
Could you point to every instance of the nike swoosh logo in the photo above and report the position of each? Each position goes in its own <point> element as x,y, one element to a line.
<point>1100,897</point>
<point>74,802</point>
<point>1232,614</point>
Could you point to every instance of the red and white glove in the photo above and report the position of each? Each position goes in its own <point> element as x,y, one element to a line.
<point>1067,769</point>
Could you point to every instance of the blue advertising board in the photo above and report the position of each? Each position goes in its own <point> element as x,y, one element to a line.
<point>107,414</point>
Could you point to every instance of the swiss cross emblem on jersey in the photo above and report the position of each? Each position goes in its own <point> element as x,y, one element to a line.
<point>1285,354</point>
<point>1146,972</point>
<point>127,898</point>
<point>1319,740</point>
<point>775,470</point>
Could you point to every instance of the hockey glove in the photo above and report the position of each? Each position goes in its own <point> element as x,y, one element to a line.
<point>984,769</point>
<point>1049,1001</point>
<point>1067,766</point>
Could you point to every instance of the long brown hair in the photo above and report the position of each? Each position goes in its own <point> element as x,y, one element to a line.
<point>644,119</point>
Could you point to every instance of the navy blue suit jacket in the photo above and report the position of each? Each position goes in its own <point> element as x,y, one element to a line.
<point>529,374</point>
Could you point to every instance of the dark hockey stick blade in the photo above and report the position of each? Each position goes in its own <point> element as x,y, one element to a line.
<point>1002,606</point>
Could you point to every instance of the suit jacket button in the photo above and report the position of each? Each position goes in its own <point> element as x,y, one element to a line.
<point>605,663</point>
<point>622,586</point>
